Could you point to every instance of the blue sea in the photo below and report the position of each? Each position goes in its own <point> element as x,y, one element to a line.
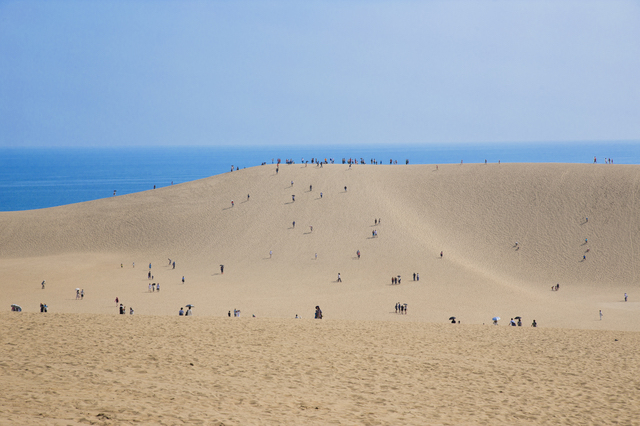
<point>35,178</point>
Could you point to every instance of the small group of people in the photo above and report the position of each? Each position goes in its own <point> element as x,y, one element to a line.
<point>44,307</point>
<point>519,323</point>
<point>79,294</point>
<point>416,276</point>
<point>181,312</point>
<point>374,233</point>
<point>318,314</point>
<point>606,160</point>
<point>396,280</point>
<point>153,287</point>
<point>236,313</point>
<point>555,287</point>
<point>401,308</point>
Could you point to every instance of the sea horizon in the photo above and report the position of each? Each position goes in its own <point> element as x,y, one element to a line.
<point>41,177</point>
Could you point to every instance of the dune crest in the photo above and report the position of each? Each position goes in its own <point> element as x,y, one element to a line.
<point>473,213</point>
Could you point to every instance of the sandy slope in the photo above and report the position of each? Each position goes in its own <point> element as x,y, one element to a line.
<point>78,369</point>
<point>474,213</point>
<point>363,364</point>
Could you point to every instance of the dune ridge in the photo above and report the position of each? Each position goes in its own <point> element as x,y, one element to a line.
<point>473,213</point>
<point>81,363</point>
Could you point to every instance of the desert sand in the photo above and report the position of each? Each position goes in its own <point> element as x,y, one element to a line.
<point>96,369</point>
<point>363,363</point>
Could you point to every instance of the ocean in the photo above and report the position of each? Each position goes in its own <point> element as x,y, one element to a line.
<point>35,178</point>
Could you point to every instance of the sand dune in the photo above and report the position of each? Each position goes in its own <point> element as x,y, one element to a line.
<point>81,363</point>
<point>474,213</point>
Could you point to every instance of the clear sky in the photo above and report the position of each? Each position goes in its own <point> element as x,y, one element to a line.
<point>96,73</point>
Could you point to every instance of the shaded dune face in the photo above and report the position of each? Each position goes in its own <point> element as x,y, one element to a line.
<point>473,213</point>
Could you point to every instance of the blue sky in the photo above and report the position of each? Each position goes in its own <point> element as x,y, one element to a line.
<point>85,73</point>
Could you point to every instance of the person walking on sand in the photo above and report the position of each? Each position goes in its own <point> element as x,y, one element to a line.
<point>316,256</point>
<point>293,197</point>
<point>174,264</point>
<point>117,301</point>
<point>82,294</point>
<point>625,297</point>
<point>534,323</point>
<point>600,314</point>
<point>232,203</point>
<point>270,253</point>
<point>158,286</point>
<point>77,293</point>
<point>43,284</point>
<point>339,279</point>
<point>441,253</point>
<point>183,279</point>
<point>294,223</point>
<point>149,288</point>
<point>318,313</point>
<point>310,228</point>
<point>222,269</point>
<point>358,253</point>
<point>345,189</point>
